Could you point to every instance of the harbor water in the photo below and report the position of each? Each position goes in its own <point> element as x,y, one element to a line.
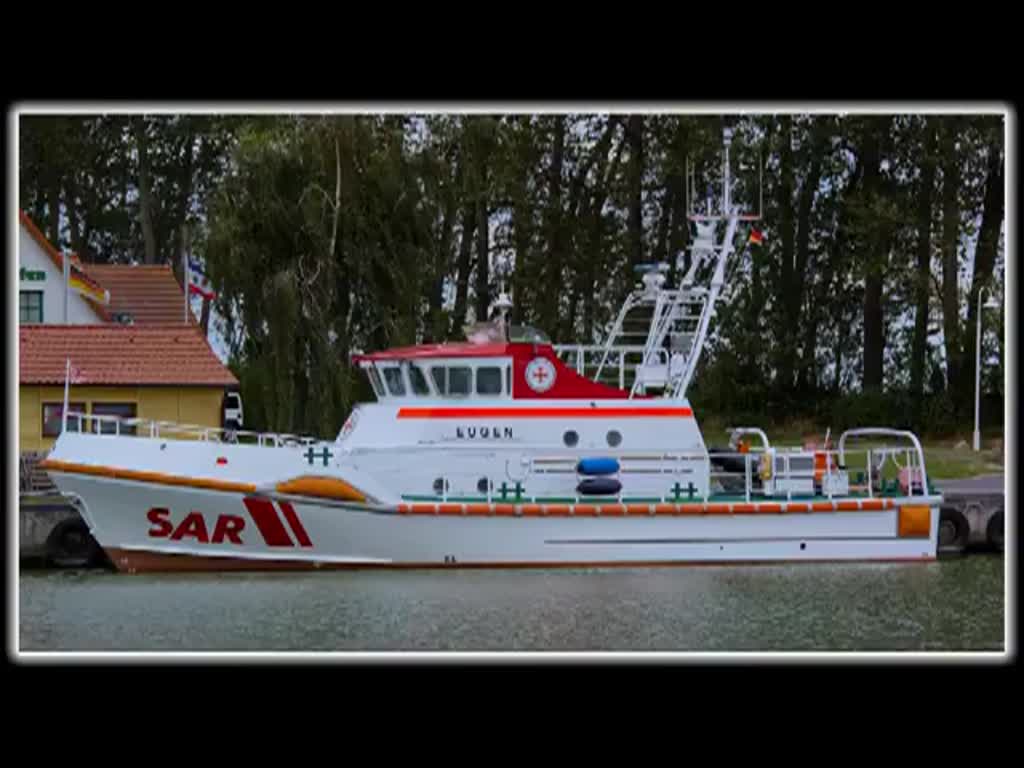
<point>949,605</point>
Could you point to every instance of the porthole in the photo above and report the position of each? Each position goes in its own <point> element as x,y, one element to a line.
<point>614,438</point>
<point>483,485</point>
<point>440,486</point>
<point>570,438</point>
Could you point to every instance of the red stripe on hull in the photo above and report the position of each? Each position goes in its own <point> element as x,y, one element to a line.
<point>540,413</point>
<point>266,519</point>
<point>293,521</point>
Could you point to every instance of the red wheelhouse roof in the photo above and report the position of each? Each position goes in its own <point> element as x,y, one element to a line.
<point>567,383</point>
<point>454,349</point>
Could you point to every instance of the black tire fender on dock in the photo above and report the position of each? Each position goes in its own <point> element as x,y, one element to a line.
<point>953,524</point>
<point>994,530</point>
<point>71,545</point>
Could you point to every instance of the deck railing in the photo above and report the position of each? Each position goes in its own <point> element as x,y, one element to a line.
<point>139,427</point>
<point>763,474</point>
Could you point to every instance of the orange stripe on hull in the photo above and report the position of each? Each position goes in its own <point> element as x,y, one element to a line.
<point>633,510</point>
<point>159,478</point>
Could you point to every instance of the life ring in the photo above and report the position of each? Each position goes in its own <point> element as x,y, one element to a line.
<point>954,531</point>
<point>994,531</point>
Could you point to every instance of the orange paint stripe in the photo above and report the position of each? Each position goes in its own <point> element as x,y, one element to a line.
<point>619,510</point>
<point>146,477</point>
<point>539,413</point>
<point>321,487</point>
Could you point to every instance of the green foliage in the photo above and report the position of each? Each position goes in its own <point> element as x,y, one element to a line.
<point>327,234</point>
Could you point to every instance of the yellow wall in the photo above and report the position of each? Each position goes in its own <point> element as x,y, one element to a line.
<point>185,405</point>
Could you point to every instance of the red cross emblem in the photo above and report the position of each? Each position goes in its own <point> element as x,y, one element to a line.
<point>540,374</point>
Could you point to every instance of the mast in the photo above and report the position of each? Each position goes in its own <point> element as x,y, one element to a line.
<point>732,218</point>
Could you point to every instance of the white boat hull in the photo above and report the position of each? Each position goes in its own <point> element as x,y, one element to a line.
<point>147,527</point>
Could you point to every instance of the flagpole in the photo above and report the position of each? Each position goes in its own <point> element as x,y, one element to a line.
<point>185,274</point>
<point>64,411</point>
<point>67,285</point>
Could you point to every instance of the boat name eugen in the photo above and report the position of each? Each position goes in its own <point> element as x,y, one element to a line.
<point>483,433</point>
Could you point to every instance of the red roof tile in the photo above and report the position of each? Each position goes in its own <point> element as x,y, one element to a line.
<point>149,292</point>
<point>120,354</point>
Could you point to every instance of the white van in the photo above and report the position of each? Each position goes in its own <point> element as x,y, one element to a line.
<point>232,418</point>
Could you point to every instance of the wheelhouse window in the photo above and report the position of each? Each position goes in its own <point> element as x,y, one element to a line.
<point>418,381</point>
<point>375,380</point>
<point>395,382</point>
<point>488,381</point>
<point>460,381</point>
<point>440,376</point>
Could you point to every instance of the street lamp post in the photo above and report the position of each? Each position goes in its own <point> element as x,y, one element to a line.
<point>992,304</point>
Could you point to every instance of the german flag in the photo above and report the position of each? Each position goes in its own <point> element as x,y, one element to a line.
<point>82,284</point>
<point>756,237</point>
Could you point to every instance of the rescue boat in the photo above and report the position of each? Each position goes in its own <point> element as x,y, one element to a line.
<point>509,450</point>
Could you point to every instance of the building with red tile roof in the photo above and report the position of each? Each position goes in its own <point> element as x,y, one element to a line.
<point>144,294</point>
<point>120,355</point>
<point>131,351</point>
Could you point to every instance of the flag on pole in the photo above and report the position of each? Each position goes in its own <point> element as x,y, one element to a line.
<point>198,282</point>
<point>86,287</point>
<point>756,237</point>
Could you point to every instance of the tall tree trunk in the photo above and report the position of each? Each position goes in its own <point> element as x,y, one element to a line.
<point>483,272</point>
<point>145,192</point>
<point>786,330</point>
<point>434,329</point>
<point>919,347</point>
<point>876,244</point>
<point>186,185</point>
<point>635,132</point>
<point>463,266</point>
<point>74,229</point>
<point>798,307</point>
<point>53,206</point>
<point>950,265</point>
<point>549,314</point>
<point>984,259</point>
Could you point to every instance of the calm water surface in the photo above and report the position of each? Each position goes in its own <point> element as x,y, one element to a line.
<point>948,605</point>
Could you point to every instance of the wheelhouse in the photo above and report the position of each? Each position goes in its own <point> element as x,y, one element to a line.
<point>440,378</point>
